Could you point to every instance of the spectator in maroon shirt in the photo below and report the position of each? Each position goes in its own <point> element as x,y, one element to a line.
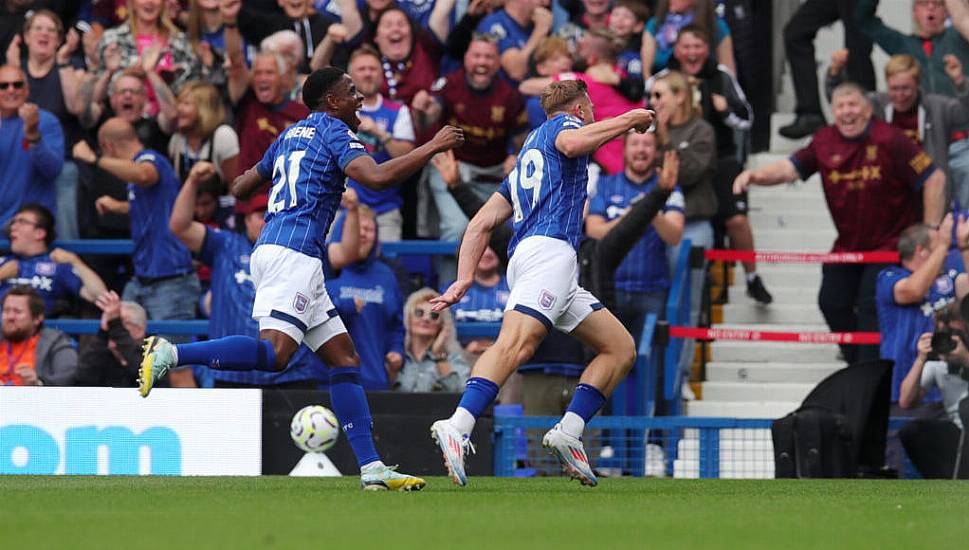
<point>877,182</point>
<point>492,114</point>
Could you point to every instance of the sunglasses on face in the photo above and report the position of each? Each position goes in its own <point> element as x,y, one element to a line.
<point>420,312</point>
<point>18,84</point>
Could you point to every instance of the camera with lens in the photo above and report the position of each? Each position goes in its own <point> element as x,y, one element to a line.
<point>950,324</point>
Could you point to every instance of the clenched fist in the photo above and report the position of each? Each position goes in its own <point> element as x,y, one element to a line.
<point>449,137</point>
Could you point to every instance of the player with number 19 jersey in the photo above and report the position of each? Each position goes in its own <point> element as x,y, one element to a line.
<point>547,190</point>
<point>306,166</point>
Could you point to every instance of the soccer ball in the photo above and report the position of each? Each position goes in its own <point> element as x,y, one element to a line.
<point>314,429</point>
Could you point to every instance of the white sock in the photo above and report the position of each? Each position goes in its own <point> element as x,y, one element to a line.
<point>751,276</point>
<point>572,424</point>
<point>370,465</point>
<point>463,420</point>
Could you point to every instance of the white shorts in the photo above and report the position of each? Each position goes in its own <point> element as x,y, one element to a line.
<point>543,276</point>
<point>291,296</point>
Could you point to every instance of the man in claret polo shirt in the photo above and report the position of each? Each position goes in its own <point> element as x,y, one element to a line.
<point>877,182</point>
<point>492,114</point>
<point>164,282</point>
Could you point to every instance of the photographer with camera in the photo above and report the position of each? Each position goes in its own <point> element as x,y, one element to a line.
<point>908,295</point>
<point>933,444</point>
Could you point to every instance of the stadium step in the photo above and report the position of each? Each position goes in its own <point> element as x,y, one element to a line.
<point>774,313</point>
<point>782,352</point>
<point>753,391</point>
<point>804,373</point>
<point>809,278</point>
<point>737,409</point>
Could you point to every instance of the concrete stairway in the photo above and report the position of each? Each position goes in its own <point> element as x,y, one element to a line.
<point>766,379</point>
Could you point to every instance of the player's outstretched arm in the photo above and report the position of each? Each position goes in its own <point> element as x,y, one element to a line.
<point>494,213</point>
<point>244,185</point>
<point>585,140</point>
<point>182,222</point>
<point>378,176</point>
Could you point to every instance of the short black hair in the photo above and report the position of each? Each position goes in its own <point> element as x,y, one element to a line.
<point>319,83</point>
<point>45,220</point>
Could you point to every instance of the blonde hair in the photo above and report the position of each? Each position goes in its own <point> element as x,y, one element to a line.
<point>447,320</point>
<point>165,25</point>
<point>903,63</point>
<point>208,101</point>
<point>549,47</point>
<point>681,83</point>
<point>558,96</point>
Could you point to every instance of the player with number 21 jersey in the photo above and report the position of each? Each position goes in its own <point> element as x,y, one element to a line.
<point>307,165</point>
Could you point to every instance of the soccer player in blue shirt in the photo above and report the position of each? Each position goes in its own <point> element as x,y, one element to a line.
<point>232,292</point>
<point>544,196</point>
<point>308,165</point>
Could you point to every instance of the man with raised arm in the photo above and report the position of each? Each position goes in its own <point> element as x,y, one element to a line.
<point>544,195</point>
<point>307,165</point>
<point>877,182</point>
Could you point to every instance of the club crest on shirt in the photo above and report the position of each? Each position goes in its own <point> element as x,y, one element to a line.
<point>871,152</point>
<point>300,302</point>
<point>46,268</point>
<point>497,113</point>
<point>836,159</point>
<point>943,284</point>
<point>546,300</point>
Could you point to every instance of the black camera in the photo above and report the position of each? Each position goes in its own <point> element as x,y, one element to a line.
<point>944,339</point>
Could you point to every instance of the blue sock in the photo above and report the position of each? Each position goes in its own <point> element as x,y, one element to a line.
<point>586,402</point>
<point>478,394</point>
<point>352,410</point>
<point>230,353</point>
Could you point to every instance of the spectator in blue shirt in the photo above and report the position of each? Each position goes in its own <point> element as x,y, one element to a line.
<point>484,302</point>
<point>434,360</point>
<point>164,282</point>
<point>56,275</point>
<point>387,132</point>
<point>228,304</point>
<point>907,296</point>
<point>519,27</point>
<point>643,278</point>
<point>31,147</point>
<point>368,297</point>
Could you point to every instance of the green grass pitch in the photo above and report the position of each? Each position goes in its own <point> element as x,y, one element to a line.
<point>281,512</point>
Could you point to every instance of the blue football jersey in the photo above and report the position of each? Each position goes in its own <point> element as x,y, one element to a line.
<point>306,164</point>
<point>158,253</point>
<point>547,190</point>
<point>482,304</point>
<point>51,280</point>
<point>902,324</point>
<point>645,268</point>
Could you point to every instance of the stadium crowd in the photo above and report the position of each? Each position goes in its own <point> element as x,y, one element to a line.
<point>130,118</point>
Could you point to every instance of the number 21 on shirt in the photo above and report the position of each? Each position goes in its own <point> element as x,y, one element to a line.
<point>530,177</point>
<point>283,176</point>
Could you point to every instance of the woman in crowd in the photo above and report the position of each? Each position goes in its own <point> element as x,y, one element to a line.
<point>673,15</point>
<point>433,359</point>
<point>149,33</point>
<point>202,134</point>
<point>45,57</point>
<point>681,128</point>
